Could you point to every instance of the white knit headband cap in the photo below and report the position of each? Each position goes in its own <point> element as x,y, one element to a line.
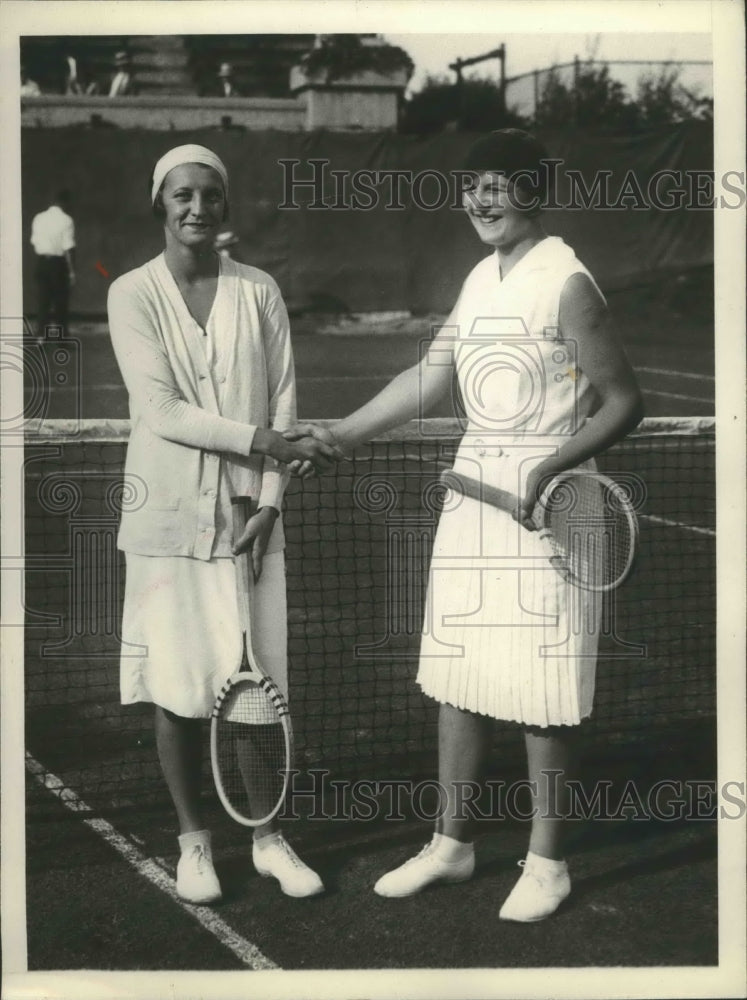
<point>190,153</point>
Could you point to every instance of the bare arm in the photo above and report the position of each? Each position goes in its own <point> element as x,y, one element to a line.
<point>70,260</point>
<point>411,394</point>
<point>584,319</point>
<point>68,242</point>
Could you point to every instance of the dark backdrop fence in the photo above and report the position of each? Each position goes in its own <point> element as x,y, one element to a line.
<point>359,260</point>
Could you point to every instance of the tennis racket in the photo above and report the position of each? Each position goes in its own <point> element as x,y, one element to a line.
<point>251,740</point>
<point>586,523</point>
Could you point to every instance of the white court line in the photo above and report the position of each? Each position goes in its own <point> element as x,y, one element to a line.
<point>673,373</point>
<point>244,950</point>
<point>676,395</point>
<point>678,524</point>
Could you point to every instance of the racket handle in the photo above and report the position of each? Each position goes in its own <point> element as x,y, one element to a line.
<point>476,490</point>
<point>242,508</point>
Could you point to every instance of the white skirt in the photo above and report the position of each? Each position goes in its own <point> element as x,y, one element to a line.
<point>512,643</point>
<point>181,637</point>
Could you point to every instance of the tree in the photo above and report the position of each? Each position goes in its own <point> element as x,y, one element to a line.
<point>593,100</point>
<point>340,56</point>
<point>476,105</point>
<point>662,99</point>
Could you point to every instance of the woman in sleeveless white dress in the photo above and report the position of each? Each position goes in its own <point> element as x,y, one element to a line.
<point>546,386</point>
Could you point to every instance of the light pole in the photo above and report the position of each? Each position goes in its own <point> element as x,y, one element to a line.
<point>459,64</point>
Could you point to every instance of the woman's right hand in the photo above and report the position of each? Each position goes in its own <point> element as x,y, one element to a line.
<point>307,452</point>
<point>303,431</point>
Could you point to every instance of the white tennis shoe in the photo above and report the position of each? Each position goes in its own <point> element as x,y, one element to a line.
<point>273,856</point>
<point>541,889</point>
<point>420,871</point>
<point>196,881</point>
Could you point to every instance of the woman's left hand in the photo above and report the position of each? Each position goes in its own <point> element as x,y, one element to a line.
<point>256,537</point>
<point>523,510</point>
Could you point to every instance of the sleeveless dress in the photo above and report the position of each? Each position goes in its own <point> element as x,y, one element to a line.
<point>504,635</point>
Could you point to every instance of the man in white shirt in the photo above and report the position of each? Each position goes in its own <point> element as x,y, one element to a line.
<point>53,239</point>
<point>123,83</point>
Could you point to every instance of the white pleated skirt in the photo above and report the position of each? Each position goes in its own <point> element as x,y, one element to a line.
<point>181,636</point>
<point>504,635</point>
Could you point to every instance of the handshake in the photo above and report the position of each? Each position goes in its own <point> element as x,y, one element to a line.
<point>308,449</point>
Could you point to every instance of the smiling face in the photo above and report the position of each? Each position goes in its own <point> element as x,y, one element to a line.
<point>494,209</point>
<point>194,205</point>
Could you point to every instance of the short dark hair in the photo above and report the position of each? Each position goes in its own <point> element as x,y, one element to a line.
<point>512,152</point>
<point>63,197</point>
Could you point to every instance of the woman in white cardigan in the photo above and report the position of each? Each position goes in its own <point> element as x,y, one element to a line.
<point>203,344</point>
<point>546,386</point>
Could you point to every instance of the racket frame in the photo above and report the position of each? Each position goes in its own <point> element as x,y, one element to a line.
<point>509,502</point>
<point>249,671</point>
<point>540,516</point>
<point>261,679</point>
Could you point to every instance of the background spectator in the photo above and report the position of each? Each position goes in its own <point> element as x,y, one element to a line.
<point>225,85</point>
<point>76,79</point>
<point>53,239</point>
<point>29,88</point>
<point>123,81</point>
<point>224,242</point>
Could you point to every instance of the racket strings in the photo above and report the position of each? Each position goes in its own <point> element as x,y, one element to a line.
<point>589,531</point>
<point>252,751</point>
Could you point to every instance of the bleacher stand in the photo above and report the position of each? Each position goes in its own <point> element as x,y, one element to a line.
<point>261,64</point>
<point>165,64</point>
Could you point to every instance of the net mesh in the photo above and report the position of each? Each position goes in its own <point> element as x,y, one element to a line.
<point>358,548</point>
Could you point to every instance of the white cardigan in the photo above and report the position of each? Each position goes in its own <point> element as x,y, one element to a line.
<point>192,426</point>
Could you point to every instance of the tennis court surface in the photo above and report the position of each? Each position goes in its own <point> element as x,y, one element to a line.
<point>341,361</point>
<point>100,839</point>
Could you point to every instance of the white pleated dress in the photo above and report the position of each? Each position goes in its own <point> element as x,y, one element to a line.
<point>504,635</point>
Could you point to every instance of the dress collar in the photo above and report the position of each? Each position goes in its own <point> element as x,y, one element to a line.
<point>544,254</point>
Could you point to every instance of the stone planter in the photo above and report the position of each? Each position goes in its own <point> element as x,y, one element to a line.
<point>365,100</point>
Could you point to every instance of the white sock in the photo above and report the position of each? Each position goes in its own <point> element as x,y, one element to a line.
<point>269,838</point>
<point>189,840</point>
<point>449,849</point>
<point>546,865</point>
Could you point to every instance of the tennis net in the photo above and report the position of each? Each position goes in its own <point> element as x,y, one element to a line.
<point>358,548</point>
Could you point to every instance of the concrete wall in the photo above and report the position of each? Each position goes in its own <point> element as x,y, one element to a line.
<point>164,113</point>
<point>367,101</point>
<point>340,109</point>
